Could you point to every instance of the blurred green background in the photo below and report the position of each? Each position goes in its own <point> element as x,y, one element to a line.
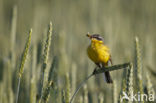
<point>118,21</point>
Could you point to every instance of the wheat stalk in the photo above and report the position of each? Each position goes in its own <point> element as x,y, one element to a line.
<point>81,99</point>
<point>21,69</point>
<point>101,98</point>
<point>114,92</point>
<point>67,93</point>
<point>13,35</point>
<point>63,96</point>
<point>73,75</point>
<point>85,94</point>
<point>33,89</point>
<point>45,61</point>
<point>138,66</point>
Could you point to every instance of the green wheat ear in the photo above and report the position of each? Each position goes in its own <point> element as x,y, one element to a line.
<point>45,61</point>
<point>123,85</point>
<point>24,56</point>
<point>46,92</point>
<point>50,82</point>
<point>150,89</point>
<point>25,53</point>
<point>138,65</point>
<point>47,45</point>
<point>129,81</point>
<point>52,71</point>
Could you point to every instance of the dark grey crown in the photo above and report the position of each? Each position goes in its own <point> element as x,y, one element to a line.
<point>97,36</point>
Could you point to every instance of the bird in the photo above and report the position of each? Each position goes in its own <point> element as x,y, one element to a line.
<point>99,53</point>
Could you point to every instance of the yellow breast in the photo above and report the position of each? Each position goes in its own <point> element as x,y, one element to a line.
<point>98,52</point>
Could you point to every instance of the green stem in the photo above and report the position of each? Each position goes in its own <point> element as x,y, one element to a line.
<point>101,70</point>
<point>19,81</point>
<point>81,84</point>
<point>111,68</point>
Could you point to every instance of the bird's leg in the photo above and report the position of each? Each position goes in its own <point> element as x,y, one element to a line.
<point>111,61</point>
<point>97,66</point>
<point>95,69</point>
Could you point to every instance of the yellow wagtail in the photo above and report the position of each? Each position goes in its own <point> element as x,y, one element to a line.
<point>99,54</point>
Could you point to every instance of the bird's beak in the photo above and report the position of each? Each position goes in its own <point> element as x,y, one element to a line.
<point>88,35</point>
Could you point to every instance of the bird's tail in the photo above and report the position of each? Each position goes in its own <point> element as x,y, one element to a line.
<point>107,77</point>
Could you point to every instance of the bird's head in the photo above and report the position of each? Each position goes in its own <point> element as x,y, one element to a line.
<point>95,38</point>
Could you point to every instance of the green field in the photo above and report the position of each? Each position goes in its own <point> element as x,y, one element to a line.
<point>43,50</point>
